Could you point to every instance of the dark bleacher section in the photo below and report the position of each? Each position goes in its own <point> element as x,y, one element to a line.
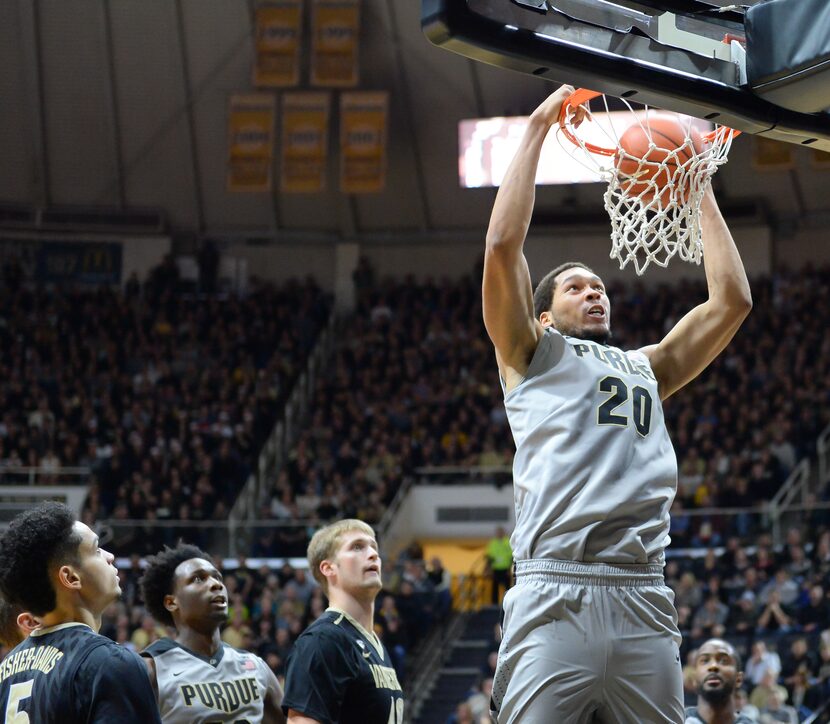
<point>165,396</point>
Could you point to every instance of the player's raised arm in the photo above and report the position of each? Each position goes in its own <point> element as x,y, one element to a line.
<point>704,332</point>
<point>507,291</point>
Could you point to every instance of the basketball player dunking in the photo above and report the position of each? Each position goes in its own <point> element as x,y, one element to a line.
<point>590,628</point>
<point>197,677</point>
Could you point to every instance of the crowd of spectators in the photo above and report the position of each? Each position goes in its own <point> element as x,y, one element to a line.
<point>165,395</point>
<point>772,604</point>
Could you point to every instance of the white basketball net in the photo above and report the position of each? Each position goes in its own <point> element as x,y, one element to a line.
<point>651,223</point>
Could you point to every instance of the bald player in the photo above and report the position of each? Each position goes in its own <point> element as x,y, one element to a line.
<point>719,676</point>
<point>590,629</point>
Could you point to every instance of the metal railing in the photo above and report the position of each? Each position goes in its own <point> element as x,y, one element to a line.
<point>225,538</point>
<point>440,473</point>
<point>820,714</point>
<point>473,586</point>
<point>21,475</point>
<point>797,485</point>
<point>275,449</point>
<point>823,451</point>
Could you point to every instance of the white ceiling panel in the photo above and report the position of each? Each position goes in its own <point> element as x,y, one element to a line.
<point>153,109</point>
<point>219,53</point>
<point>77,103</point>
<point>20,177</point>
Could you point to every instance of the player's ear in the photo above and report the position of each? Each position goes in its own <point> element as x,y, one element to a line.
<point>546,318</point>
<point>27,623</point>
<point>327,568</point>
<point>739,679</point>
<point>170,603</point>
<point>69,578</point>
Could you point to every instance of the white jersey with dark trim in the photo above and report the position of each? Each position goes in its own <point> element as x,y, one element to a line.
<point>595,472</point>
<point>194,689</point>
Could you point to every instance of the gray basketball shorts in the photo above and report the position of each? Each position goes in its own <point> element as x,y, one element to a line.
<point>588,642</point>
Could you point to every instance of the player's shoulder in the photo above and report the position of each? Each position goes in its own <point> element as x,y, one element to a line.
<point>329,630</point>
<point>106,652</point>
<point>329,624</point>
<point>691,716</point>
<point>107,661</point>
<point>247,659</point>
<point>159,647</point>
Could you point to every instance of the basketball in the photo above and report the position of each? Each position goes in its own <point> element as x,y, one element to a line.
<point>660,141</point>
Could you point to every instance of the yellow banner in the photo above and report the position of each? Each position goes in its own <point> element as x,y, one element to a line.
<point>278,35</point>
<point>820,159</point>
<point>250,142</point>
<point>305,134</point>
<point>363,142</point>
<point>769,154</point>
<point>335,35</point>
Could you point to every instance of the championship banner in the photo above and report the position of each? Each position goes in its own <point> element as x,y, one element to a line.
<point>768,154</point>
<point>335,33</point>
<point>250,142</point>
<point>304,147</point>
<point>820,159</point>
<point>363,142</point>
<point>278,34</point>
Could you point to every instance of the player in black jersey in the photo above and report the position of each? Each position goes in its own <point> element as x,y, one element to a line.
<point>338,670</point>
<point>197,676</point>
<point>52,567</point>
<point>718,673</point>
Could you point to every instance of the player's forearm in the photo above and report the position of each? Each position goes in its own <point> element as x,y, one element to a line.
<point>725,274</point>
<point>513,207</point>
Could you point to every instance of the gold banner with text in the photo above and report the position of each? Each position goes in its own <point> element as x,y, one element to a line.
<point>769,154</point>
<point>250,142</point>
<point>279,26</point>
<point>305,134</point>
<point>335,35</point>
<point>363,118</point>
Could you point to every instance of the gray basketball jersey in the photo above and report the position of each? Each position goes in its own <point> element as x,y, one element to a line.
<point>595,472</point>
<point>192,689</point>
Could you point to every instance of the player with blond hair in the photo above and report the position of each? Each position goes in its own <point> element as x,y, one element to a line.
<point>338,670</point>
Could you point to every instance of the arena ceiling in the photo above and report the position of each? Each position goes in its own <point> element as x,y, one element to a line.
<point>123,103</point>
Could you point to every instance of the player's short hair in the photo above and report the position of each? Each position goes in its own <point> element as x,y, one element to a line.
<point>159,575</point>
<point>543,296</point>
<point>739,663</point>
<point>325,542</point>
<point>36,542</point>
<point>10,633</point>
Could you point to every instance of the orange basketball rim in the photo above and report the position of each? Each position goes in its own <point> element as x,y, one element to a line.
<point>583,95</point>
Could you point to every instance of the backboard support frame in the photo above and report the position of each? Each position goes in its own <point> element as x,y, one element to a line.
<point>634,55</point>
